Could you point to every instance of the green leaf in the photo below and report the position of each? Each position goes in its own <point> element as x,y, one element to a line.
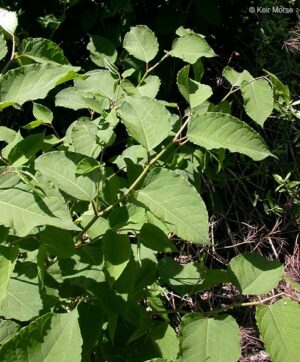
<point>194,92</point>
<point>171,198</point>
<point>101,50</point>
<point>83,134</point>
<point>24,150</point>
<point>8,21</point>
<point>154,238</point>
<point>42,113</point>
<point>91,319</point>
<point>235,78</point>
<point>8,329</point>
<point>3,47</point>
<point>31,82</point>
<point>7,135</point>
<point>22,210</point>
<point>220,130</point>
<point>182,278</point>
<point>50,165</point>
<point>150,86</point>
<point>51,338</point>
<point>116,252</point>
<point>23,301</point>
<point>278,325</point>
<point>57,242</point>
<point>146,120</point>
<point>7,259</point>
<point>99,83</point>
<point>141,43</point>
<point>258,99</point>
<point>209,339</point>
<point>87,165</point>
<point>165,339</point>
<point>253,274</point>
<point>191,47</point>
<point>43,51</point>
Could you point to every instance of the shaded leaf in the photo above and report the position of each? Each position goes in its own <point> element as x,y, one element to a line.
<point>194,92</point>
<point>43,51</point>
<point>57,242</point>
<point>165,339</point>
<point>154,238</point>
<point>101,49</point>
<point>116,252</point>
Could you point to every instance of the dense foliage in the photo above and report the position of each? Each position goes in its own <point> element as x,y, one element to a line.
<point>108,170</point>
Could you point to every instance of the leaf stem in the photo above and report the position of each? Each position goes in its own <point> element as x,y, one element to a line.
<point>149,70</point>
<point>12,56</point>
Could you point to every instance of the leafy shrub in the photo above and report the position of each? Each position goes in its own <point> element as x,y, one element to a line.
<point>89,229</point>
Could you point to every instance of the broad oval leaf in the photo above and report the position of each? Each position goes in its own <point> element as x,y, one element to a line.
<point>194,92</point>
<point>258,99</point>
<point>150,86</point>
<point>8,256</point>
<point>166,341</point>
<point>3,47</point>
<point>154,238</point>
<point>22,210</point>
<point>278,325</point>
<point>173,199</point>
<point>101,50</point>
<point>253,274</point>
<point>146,120</point>
<point>184,279</point>
<point>8,21</point>
<point>209,339</point>
<point>83,135</point>
<point>57,242</point>
<point>43,51</point>
<point>221,130</point>
<point>141,43</point>
<point>100,83</point>
<point>191,47</point>
<point>23,301</point>
<point>51,338</point>
<point>8,329</point>
<point>236,78</point>
<point>31,82</point>
<point>60,168</point>
<point>116,252</point>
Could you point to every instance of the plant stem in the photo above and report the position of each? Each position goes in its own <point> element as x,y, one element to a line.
<point>245,304</point>
<point>135,183</point>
